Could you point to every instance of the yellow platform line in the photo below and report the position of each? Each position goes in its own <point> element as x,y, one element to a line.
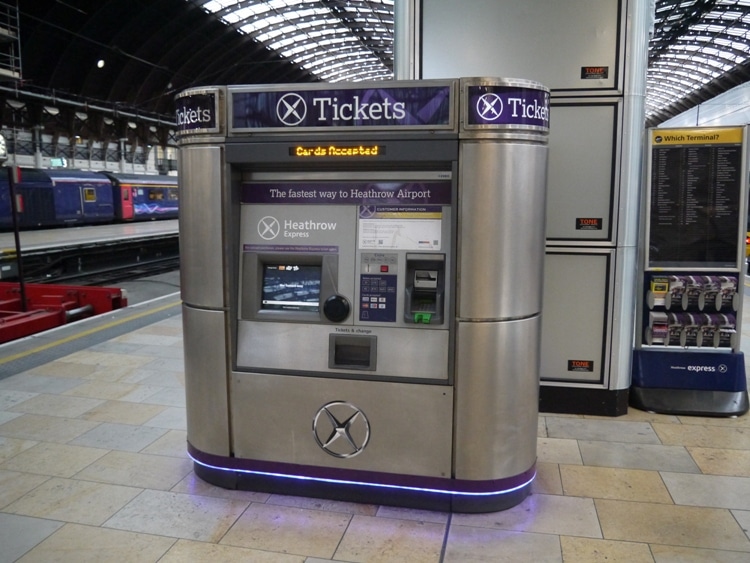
<point>88,332</point>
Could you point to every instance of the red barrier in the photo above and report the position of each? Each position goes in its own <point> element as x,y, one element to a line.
<point>49,306</point>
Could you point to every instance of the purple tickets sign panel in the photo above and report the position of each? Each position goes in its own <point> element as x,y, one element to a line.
<point>508,105</point>
<point>406,106</point>
<point>196,112</point>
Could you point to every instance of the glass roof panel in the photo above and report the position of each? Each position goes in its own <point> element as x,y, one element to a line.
<point>694,42</point>
<point>708,37</point>
<point>359,33</point>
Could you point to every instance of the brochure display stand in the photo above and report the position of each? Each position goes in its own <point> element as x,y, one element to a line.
<point>687,358</point>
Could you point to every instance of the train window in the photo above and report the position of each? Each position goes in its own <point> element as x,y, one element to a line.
<point>89,194</point>
<point>172,194</point>
<point>126,194</point>
<point>152,195</point>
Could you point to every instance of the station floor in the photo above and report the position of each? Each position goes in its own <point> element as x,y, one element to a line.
<point>93,468</point>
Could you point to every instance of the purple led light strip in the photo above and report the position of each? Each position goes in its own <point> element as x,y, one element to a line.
<point>232,465</point>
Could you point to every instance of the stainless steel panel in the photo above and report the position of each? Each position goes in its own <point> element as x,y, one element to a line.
<point>501,229</point>
<point>402,352</point>
<point>206,380</point>
<point>497,398</point>
<point>546,41</point>
<point>574,322</point>
<point>583,170</point>
<point>201,250</point>
<point>410,425</point>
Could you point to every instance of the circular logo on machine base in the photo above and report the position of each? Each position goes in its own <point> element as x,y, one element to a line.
<point>341,429</point>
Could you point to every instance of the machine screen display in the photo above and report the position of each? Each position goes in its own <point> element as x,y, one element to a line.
<point>291,287</point>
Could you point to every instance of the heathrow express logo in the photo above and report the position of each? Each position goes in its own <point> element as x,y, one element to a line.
<point>341,429</point>
<point>269,227</point>
<point>489,106</point>
<point>291,109</point>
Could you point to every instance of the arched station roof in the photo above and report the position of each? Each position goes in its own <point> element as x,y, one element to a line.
<point>133,56</point>
<point>699,49</point>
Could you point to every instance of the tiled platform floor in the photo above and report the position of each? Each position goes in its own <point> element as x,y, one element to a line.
<point>93,468</point>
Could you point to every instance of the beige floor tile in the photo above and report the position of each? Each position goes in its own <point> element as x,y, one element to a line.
<point>46,428</point>
<point>546,514</point>
<point>6,416</point>
<point>113,391</point>
<point>324,504</point>
<point>151,339</point>
<point>717,491</point>
<point>547,480</point>
<point>194,485</point>
<point>10,398</point>
<point>686,526</point>
<point>401,513</point>
<point>558,450</point>
<point>13,485</point>
<point>288,530</point>
<point>137,470</point>
<point>482,545</point>
<point>370,539</point>
<point>637,415</point>
<point>157,378</point>
<point>703,436</point>
<point>161,328</point>
<point>122,412</point>
<point>585,550</point>
<point>87,544</point>
<point>106,359</point>
<point>185,551</point>
<point>178,515</point>
<point>716,461</point>
<point>675,554</point>
<point>173,444</point>
<point>732,422</point>
<point>82,502</point>
<point>613,483</point>
<point>655,457</point>
<point>10,447</point>
<point>613,430</point>
<point>541,427</point>
<point>56,405</point>
<point>743,519</point>
<point>61,368</point>
<point>59,460</point>
<point>123,372</point>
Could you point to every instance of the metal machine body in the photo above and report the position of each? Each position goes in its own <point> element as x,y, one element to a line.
<point>362,271</point>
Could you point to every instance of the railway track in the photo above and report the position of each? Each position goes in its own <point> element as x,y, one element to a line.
<point>96,264</point>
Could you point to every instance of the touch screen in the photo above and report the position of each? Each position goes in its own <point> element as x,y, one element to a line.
<point>291,287</point>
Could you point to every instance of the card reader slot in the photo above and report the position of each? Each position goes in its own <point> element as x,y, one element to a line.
<point>425,288</point>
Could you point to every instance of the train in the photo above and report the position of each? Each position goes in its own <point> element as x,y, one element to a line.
<point>61,197</point>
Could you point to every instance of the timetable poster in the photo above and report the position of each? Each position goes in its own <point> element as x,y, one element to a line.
<point>695,197</point>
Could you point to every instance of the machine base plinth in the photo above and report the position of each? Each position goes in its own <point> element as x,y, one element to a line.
<point>339,488</point>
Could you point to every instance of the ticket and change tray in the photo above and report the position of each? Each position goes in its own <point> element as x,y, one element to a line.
<point>687,358</point>
<point>362,280</point>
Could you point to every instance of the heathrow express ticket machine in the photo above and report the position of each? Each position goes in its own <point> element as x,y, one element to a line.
<point>361,277</point>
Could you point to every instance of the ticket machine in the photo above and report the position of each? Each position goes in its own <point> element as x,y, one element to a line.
<point>361,272</point>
